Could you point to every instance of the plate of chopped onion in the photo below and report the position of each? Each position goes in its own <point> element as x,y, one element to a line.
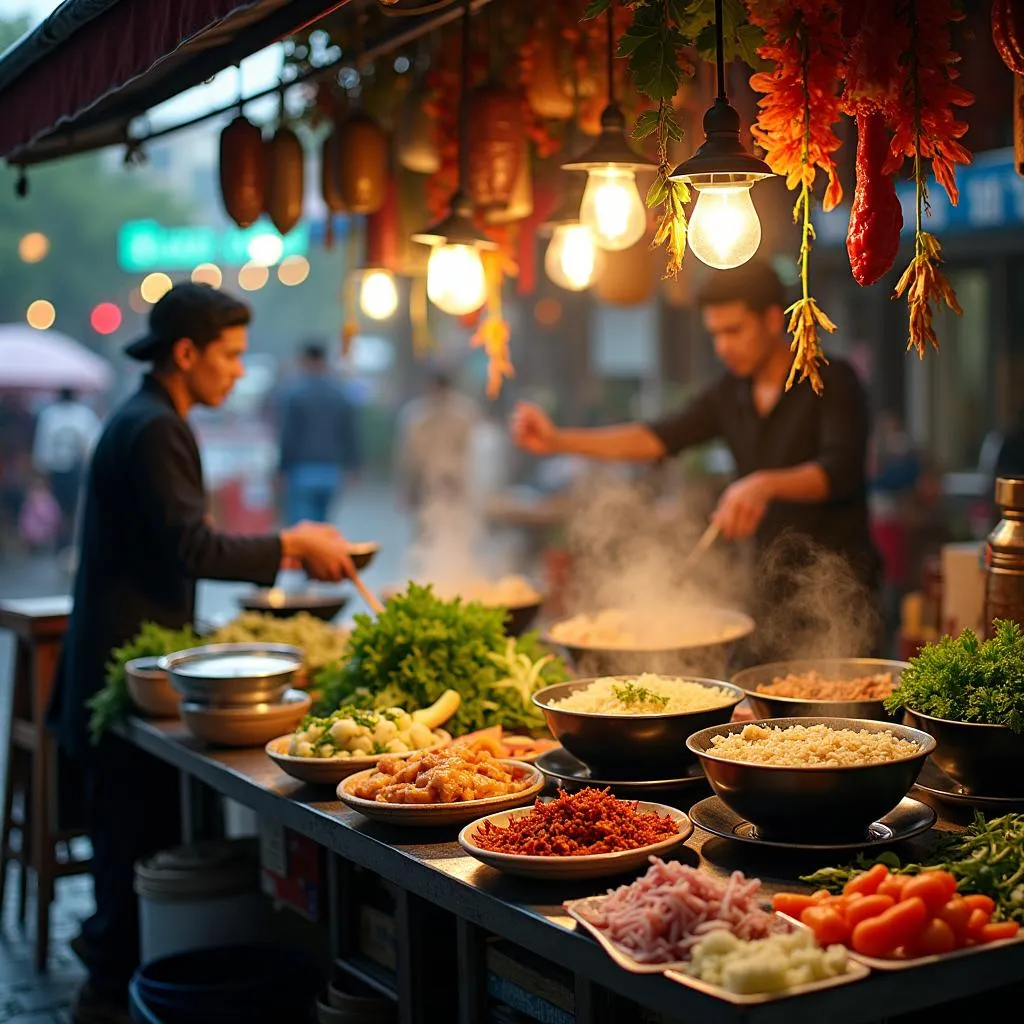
<point>446,786</point>
<point>584,834</point>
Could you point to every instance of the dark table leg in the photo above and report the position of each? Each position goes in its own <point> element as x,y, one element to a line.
<point>202,812</point>
<point>471,964</point>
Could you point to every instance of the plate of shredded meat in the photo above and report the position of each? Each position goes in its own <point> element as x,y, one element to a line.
<point>446,786</point>
<point>588,833</point>
<point>652,924</point>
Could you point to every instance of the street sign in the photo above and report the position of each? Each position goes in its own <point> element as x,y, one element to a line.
<point>145,245</point>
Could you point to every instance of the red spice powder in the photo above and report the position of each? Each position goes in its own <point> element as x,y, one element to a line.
<point>576,824</point>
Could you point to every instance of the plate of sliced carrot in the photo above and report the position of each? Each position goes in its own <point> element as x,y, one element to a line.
<point>502,743</point>
<point>891,921</point>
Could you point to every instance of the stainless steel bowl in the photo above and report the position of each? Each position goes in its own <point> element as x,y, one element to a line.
<point>987,759</point>
<point>706,659</point>
<point>233,674</point>
<point>630,746</point>
<point>813,802</point>
<point>766,705</point>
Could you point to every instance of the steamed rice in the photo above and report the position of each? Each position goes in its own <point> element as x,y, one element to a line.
<point>646,694</point>
<point>807,746</point>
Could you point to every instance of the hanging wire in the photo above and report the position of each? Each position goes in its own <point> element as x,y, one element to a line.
<point>464,98</point>
<point>610,54</point>
<point>720,49</point>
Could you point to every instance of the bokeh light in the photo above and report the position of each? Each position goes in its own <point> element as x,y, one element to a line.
<point>265,249</point>
<point>208,273</point>
<point>33,247</point>
<point>41,314</point>
<point>252,277</point>
<point>136,302</point>
<point>105,318</point>
<point>293,270</point>
<point>154,287</point>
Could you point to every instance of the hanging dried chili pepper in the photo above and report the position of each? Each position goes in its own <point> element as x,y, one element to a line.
<point>926,129</point>
<point>870,94</point>
<point>804,41</point>
<point>493,334</point>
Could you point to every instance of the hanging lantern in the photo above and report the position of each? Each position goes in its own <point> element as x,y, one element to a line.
<point>363,164</point>
<point>520,202</point>
<point>286,187</point>
<point>496,128</point>
<point>243,171</point>
<point>547,91</point>
<point>628,275</point>
<point>329,161</point>
<point>416,146</point>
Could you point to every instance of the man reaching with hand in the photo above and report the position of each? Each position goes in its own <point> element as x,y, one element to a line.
<point>800,458</point>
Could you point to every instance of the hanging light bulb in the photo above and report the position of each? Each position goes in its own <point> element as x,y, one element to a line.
<point>456,282</point>
<point>724,229</point>
<point>572,260</point>
<point>378,294</point>
<point>612,207</point>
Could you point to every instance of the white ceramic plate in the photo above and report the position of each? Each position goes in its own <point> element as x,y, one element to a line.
<point>855,971</point>
<point>596,865</point>
<point>441,814</point>
<point>328,771</point>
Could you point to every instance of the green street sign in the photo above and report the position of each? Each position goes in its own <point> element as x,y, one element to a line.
<point>145,245</point>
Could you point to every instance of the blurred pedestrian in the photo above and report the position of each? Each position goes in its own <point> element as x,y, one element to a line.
<point>65,434</point>
<point>320,449</point>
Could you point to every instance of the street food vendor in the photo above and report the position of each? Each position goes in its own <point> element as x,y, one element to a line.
<point>800,458</point>
<point>145,541</point>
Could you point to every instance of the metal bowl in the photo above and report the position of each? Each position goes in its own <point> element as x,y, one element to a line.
<point>233,674</point>
<point>766,705</point>
<point>987,759</point>
<point>630,746</point>
<point>363,553</point>
<point>706,659</point>
<point>285,603</point>
<point>150,689</point>
<point>817,801</point>
<point>520,617</point>
<point>251,726</point>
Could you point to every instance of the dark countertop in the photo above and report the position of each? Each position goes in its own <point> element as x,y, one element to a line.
<point>429,863</point>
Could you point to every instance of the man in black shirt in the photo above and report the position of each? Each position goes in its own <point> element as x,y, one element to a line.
<point>800,458</point>
<point>145,541</point>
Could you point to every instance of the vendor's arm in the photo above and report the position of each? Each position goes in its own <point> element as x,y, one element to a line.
<point>836,474</point>
<point>626,442</point>
<point>172,512</point>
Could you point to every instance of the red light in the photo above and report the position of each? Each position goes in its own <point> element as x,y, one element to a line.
<point>105,318</point>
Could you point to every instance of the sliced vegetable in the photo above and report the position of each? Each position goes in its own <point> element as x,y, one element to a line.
<point>936,937</point>
<point>870,906</point>
<point>867,881</point>
<point>881,936</point>
<point>827,923</point>
<point>935,888</point>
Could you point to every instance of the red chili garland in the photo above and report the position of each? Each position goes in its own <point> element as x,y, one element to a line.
<point>577,824</point>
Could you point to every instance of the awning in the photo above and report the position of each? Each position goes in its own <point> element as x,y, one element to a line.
<point>48,360</point>
<point>76,82</point>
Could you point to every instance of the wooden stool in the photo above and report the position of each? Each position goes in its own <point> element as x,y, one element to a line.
<point>38,625</point>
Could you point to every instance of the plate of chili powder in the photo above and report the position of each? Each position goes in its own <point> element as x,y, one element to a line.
<point>585,834</point>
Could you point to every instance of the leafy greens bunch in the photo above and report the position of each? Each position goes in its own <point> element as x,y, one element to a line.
<point>968,680</point>
<point>420,645</point>
<point>112,702</point>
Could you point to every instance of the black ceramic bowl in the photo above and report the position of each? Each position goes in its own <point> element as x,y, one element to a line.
<point>813,802</point>
<point>986,759</point>
<point>283,604</point>
<point>691,657</point>
<point>520,617</point>
<point>766,705</point>
<point>363,553</point>
<point>630,746</point>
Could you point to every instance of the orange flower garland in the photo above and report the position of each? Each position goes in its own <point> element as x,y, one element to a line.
<point>800,106</point>
<point>927,129</point>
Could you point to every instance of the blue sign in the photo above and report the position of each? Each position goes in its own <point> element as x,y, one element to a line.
<point>991,196</point>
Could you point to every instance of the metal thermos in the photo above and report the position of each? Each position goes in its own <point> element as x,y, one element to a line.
<point>1004,556</point>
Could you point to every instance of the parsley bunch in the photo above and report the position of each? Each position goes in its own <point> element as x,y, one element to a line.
<point>419,646</point>
<point>965,679</point>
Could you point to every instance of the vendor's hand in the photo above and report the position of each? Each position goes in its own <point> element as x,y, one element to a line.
<point>532,429</point>
<point>743,505</point>
<point>321,549</point>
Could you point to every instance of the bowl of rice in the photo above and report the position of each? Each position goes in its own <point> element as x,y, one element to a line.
<point>802,778</point>
<point>822,688</point>
<point>695,641</point>
<point>635,727</point>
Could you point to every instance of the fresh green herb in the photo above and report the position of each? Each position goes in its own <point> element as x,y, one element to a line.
<point>968,680</point>
<point>988,857</point>
<point>639,696</point>
<point>112,702</point>
<point>420,646</point>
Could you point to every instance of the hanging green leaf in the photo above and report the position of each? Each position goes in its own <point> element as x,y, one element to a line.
<point>596,8</point>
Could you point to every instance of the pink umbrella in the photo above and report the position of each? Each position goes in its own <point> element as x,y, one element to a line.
<point>47,360</point>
